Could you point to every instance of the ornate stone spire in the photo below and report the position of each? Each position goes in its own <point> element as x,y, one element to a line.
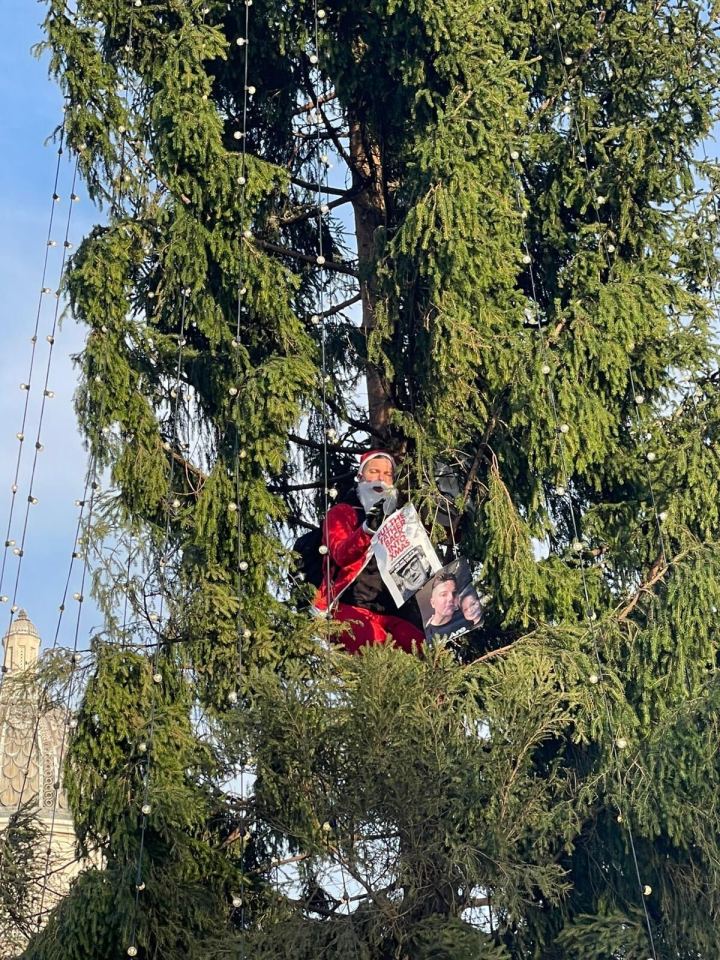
<point>31,738</point>
<point>21,642</point>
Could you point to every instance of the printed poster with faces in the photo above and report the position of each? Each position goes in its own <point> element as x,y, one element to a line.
<point>405,557</point>
<point>449,603</point>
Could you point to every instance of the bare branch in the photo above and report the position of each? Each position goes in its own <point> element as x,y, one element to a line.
<point>319,187</point>
<point>311,210</point>
<point>333,265</point>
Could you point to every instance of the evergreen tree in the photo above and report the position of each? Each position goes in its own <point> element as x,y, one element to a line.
<point>532,237</point>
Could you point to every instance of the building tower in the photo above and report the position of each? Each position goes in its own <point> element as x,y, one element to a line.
<point>32,742</point>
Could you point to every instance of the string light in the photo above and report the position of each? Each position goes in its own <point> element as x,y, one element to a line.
<point>619,742</point>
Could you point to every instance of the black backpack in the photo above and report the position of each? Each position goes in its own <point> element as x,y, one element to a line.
<point>309,565</point>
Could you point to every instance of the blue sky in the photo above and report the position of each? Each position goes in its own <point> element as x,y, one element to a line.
<point>32,108</point>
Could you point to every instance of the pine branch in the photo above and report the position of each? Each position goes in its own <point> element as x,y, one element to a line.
<point>333,265</point>
<point>310,212</point>
<point>319,187</point>
<point>657,573</point>
<point>317,101</point>
<point>338,308</point>
<point>316,445</point>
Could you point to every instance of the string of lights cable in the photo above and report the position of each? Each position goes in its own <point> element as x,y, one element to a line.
<point>242,631</point>
<point>145,747</point>
<point>47,394</point>
<point>618,742</point>
<point>64,699</point>
<point>80,551</point>
<point>26,386</point>
<point>18,544</point>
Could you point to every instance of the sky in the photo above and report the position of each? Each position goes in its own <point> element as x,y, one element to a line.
<point>31,110</point>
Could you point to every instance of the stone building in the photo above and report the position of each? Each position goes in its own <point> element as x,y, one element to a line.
<point>33,741</point>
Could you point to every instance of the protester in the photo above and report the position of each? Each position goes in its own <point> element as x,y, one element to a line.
<point>353,591</point>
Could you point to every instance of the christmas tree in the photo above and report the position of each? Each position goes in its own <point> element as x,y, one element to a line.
<point>516,199</point>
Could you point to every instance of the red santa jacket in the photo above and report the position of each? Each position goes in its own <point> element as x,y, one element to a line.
<point>347,544</point>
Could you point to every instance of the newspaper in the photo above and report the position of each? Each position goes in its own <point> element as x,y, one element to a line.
<point>405,557</point>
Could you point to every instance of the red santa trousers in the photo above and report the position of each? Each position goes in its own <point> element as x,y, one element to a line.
<point>366,628</point>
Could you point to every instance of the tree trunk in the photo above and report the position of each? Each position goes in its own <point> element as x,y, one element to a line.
<point>370,208</point>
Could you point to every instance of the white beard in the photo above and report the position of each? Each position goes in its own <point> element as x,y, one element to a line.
<point>371,493</point>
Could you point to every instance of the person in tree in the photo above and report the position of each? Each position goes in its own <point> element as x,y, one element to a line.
<point>352,590</point>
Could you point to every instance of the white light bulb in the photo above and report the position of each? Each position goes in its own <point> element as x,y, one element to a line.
<point>594,678</point>
<point>247,634</point>
<point>320,260</point>
<point>232,697</point>
<point>236,902</point>
<point>242,181</point>
<point>564,428</point>
<point>247,234</point>
<point>322,549</point>
<point>577,546</point>
<point>545,368</point>
<point>240,41</point>
<point>321,14</point>
<point>146,809</point>
<point>324,208</point>
<point>313,58</point>
<point>561,491</point>
<point>233,391</point>
<point>142,747</point>
<point>243,565</point>
<point>647,890</point>
<point>527,258</point>
<point>621,743</point>
<point>157,678</point>
<point>332,493</point>
<point>662,516</point>
<point>251,90</point>
<point>639,399</point>
<point>132,951</point>
<point>568,61</point>
<point>232,507</point>
<point>514,155</point>
<point>601,200</point>
<point>238,135</point>
<point>651,456</point>
<point>611,248</point>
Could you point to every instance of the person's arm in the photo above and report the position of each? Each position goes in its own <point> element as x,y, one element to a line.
<point>344,537</point>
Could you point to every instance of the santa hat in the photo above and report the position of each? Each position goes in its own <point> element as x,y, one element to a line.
<point>371,455</point>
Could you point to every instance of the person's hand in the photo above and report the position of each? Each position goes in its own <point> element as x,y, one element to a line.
<point>375,516</point>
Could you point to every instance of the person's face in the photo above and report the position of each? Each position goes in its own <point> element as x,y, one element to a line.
<point>442,600</point>
<point>378,470</point>
<point>471,608</point>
